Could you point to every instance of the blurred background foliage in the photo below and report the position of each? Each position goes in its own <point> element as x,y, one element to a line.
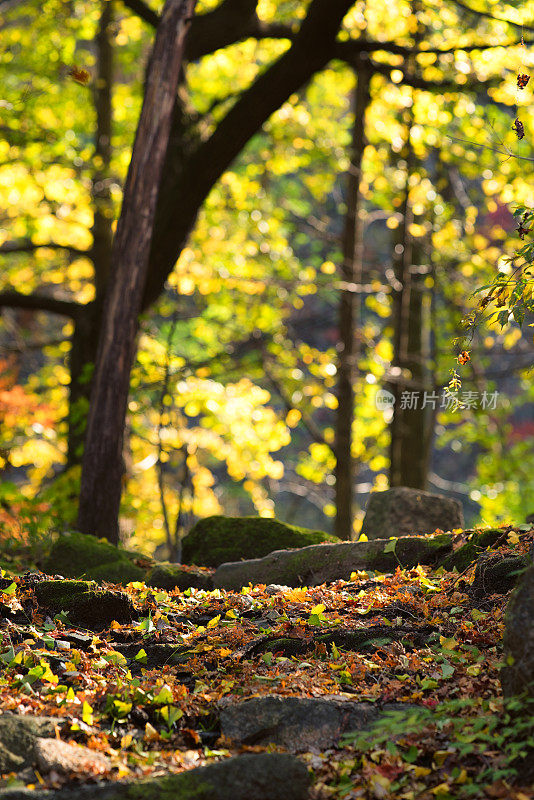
<point>233,395</point>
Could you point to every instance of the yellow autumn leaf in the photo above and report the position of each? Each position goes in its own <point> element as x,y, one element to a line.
<point>421,772</point>
<point>297,595</point>
<point>442,788</point>
<point>87,713</point>
<point>214,622</point>
<point>318,609</point>
<point>151,734</point>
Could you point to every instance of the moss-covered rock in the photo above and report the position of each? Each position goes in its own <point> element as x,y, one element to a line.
<point>461,558</point>
<point>215,540</point>
<point>256,776</point>
<point>497,575</point>
<point>122,571</point>
<point>77,555</point>
<point>174,576</point>
<point>86,605</point>
<point>518,674</point>
<point>310,566</point>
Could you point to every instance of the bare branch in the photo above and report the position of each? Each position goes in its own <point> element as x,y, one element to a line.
<point>506,152</point>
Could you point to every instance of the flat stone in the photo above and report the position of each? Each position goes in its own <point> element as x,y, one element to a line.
<point>402,511</point>
<point>17,736</point>
<point>311,566</point>
<point>53,754</point>
<point>262,776</point>
<point>300,724</point>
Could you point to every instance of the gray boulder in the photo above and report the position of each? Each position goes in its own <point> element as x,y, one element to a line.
<point>264,776</point>
<point>301,724</point>
<point>17,737</point>
<point>407,512</point>
<point>311,566</point>
<point>518,674</point>
<point>53,754</point>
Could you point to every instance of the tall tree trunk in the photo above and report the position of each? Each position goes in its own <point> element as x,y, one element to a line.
<point>412,424</point>
<point>85,335</point>
<point>102,461</point>
<point>350,315</point>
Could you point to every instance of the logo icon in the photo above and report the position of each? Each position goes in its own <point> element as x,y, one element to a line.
<point>384,400</point>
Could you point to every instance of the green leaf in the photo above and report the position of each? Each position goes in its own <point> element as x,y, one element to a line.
<point>411,754</point>
<point>165,695</point>
<point>447,670</point>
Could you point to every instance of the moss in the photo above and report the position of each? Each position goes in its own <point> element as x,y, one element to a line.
<point>465,555</point>
<point>218,539</point>
<point>77,555</point>
<point>86,606</point>
<point>173,576</point>
<point>185,786</point>
<point>59,594</point>
<point>488,538</point>
<point>122,571</point>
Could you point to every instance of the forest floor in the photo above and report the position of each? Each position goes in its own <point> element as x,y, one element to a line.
<point>411,658</point>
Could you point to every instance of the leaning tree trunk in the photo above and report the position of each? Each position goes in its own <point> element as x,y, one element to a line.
<point>102,461</point>
<point>350,316</point>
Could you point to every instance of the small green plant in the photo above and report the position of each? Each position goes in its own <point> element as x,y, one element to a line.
<point>484,741</point>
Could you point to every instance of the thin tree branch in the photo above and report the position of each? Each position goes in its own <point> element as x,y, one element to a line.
<point>351,48</point>
<point>41,302</point>
<point>27,246</point>
<point>487,15</point>
<point>505,152</point>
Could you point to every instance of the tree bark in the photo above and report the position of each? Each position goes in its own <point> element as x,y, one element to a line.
<point>350,315</point>
<point>102,461</point>
<point>84,340</point>
<point>412,424</point>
